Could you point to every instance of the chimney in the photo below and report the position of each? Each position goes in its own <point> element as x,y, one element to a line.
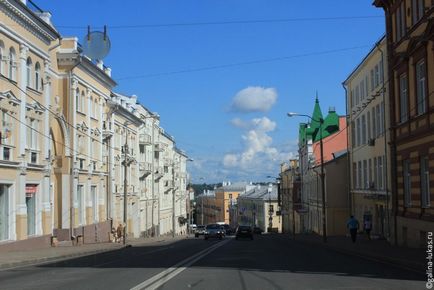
<point>100,64</point>
<point>108,71</point>
<point>45,16</point>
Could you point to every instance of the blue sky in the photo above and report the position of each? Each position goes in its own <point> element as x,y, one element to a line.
<point>230,120</point>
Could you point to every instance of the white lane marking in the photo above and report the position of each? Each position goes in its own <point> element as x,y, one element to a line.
<point>164,276</point>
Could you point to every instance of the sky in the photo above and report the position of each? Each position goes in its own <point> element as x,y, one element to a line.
<point>222,74</point>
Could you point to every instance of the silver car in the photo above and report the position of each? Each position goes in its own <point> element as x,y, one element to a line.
<point>214,231</point>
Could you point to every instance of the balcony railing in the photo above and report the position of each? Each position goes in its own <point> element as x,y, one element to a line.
<point>145,139</point>
<point>159,172</point>
<point>107,130</point>
<point>145,168</point>
<point>159,147</point>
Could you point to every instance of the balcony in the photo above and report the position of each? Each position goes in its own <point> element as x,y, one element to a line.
<point>145,139</point>
<point>159,147</point>
<point>107,130</point>
<point>145,168</point>
<point>159,172</point>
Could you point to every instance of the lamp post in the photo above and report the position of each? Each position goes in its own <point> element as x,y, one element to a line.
<point>321,122</point>
<point>126,164</point>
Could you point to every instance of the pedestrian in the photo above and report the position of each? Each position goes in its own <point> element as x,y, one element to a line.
<point>367,225</point>
<point>119,233</point>
<point>353,226</point>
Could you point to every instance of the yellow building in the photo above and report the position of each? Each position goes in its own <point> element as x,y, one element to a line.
<point>26,93</point>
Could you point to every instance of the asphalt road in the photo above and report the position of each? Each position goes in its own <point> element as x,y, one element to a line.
<point>267,262</point>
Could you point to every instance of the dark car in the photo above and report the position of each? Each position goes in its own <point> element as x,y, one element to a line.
<point>228,229</point>
<point>244,232</point>
<point>257,230</point>
<point>214,231</point>
<point>200,231</point>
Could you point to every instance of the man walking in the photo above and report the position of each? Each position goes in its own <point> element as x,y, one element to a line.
<point>353,226</point>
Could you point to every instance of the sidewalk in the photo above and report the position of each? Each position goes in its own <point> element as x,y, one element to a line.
<point>377,250</point>
<point>20,258</point>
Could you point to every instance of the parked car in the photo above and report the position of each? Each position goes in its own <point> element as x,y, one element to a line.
<point>257,230</point>
<point>200,231</point>
<point>244,232</point>
<point>214,231</point>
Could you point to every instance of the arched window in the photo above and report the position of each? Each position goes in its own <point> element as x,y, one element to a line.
<point>90,106</point>
<point>95,107</point>
<point>37,76</point>
<point>29,72</point>
<point>2,47</point>
<point>77,100</point>
<point>12,65</point>
<point>82,102</point>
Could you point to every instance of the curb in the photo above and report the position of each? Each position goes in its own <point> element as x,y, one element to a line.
<point>45,260</point>
<point>407,265</point>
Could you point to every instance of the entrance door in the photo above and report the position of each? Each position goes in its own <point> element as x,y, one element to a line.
<point>31,209</point>
<point>4,212</point>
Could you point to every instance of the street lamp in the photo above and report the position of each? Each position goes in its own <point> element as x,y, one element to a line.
<point>321,122</point>
<point>126,163</point>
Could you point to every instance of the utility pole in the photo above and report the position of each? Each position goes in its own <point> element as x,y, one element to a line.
<point>173,199</point>
<point>125,183</point>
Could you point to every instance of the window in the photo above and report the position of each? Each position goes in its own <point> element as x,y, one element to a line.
<point>353,134</point>
<point>372,80</point>
<point>357,95</point>
<point>403,98</point>
<point>380,172</point>
<point>353,102</point>
<point>359,176</point>
<point>94,197</point>
<point>37,76</point>
<point>358,131</point>
<point>29,72</point>
<point>81,163</point>
<point>381,65</point>
<point>1,58</point>
<point>370,173</point>
<point>80,208</point>
<point>378,120</point>
<point>366,85</point>
<point>377,76</point>
<point>82,102</point>
<point>382,125</point>
<point>400,21</point>
<point>363,129</point>
<point>407,182</point>
<point>4,212</point>
<point>424,181</point>
<point>421,87</point>
<point>271,208</point>
<point>12,64</point>
<point>354,175</point>
<point>417,6</point>
<point>365,174</point>
<point>362,90</point>
<point>368,119</point>
<point>91,107</point>
<point>77,100</point>
<point>375,173</point>
<point>374,127</point>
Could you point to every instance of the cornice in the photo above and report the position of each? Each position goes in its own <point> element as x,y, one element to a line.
<point>89,67</point>
<point>22,15</point>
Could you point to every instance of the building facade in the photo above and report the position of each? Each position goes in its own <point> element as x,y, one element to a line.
<point>290,184</point>
<point>258,207</point>
<point>367,102</point>
<point>63,133</point>
<point>410,50</point>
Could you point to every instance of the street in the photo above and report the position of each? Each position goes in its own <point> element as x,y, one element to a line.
<point>267,262</point>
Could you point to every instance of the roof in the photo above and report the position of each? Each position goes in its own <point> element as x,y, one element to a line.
<point>261,192</point>
<point>237,186</point>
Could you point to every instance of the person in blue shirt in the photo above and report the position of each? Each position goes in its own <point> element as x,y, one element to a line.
<point>353,226</point>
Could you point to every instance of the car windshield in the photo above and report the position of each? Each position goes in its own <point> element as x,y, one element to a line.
<point>210,227</point>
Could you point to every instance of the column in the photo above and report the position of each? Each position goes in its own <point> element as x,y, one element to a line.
<point>46,208</point>
<point>21,208</point>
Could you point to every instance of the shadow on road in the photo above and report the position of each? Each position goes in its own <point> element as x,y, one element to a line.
<point>267,253</point>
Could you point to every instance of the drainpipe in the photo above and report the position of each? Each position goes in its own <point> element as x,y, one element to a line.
<point>386,180</point>
<point>348,124</point>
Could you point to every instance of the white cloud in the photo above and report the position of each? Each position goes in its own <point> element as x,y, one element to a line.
<point>258,153</point>
<point>254,99</point>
